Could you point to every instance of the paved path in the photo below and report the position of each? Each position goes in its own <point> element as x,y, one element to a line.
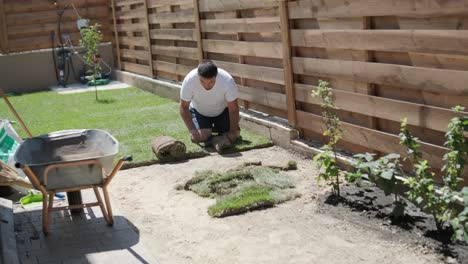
<point>81,238</point>
<point>82,88</point>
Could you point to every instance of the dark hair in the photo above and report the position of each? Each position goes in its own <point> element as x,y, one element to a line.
<point>207,70</point>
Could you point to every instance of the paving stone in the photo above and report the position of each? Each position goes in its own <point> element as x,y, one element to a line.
<point>84,238</point>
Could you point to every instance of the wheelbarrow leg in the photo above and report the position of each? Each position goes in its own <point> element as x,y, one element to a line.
<point>101,204</point>
<point>107,182</point>
<point>45,214</point>
<point>110,220</point>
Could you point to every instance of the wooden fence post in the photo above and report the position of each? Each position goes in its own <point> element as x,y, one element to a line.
<point>117,46</point>
<point>198,34</point>
<point>148,40</point>
<point>3,29</point>
<point>287,67</point>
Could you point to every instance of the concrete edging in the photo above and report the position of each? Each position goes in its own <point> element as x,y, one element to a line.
<point>8,251</point>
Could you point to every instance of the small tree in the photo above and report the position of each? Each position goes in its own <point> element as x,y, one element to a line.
<point>327,159</point>
<point>91,37</point>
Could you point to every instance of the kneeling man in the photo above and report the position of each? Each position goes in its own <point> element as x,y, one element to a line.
<point>208,103</point>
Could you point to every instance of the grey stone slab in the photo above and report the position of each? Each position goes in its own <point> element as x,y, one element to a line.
<point>81,240</point>
<point>8,252</point>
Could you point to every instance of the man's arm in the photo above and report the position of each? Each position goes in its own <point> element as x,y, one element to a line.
<point>234,129</point>
<point>186,116</point>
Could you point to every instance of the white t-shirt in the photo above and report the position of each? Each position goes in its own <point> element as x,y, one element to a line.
<point>212,102</point>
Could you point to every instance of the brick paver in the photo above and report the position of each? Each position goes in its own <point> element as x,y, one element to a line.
<point>84,238</point>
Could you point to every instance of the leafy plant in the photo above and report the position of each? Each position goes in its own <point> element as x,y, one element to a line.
<point>458,149</point>
<point>386,171</point>
<point>455,160</point>
<point>383,172</point>
<point>422,186</point>
<point>291,165</point>
<point>459,223</point>
<point>90,40</point>
<point>327,159</point>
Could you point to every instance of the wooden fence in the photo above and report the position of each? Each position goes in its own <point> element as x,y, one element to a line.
<point>27,24</point>
<point>384,60</point>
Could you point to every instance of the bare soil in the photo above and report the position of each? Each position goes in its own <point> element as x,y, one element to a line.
<point>175,225</point>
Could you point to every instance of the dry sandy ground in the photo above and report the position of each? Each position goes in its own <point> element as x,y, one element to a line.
<point>176,228</point>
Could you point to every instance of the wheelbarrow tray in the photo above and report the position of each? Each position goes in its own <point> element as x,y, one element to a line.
<point>65,146</point>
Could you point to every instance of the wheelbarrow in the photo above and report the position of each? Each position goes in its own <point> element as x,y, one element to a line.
<point>67,161</point>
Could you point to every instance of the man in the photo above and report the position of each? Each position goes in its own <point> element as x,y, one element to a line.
<point>208,103</point>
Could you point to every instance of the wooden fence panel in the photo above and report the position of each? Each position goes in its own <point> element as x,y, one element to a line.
<point>244,38</point>
<point>133,36</point>
<point>384,62</point>
<point>173,38</point>
<point>3,28</point>
<point>27,25</point>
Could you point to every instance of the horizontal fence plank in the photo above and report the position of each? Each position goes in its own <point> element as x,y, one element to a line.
<point>247,25</point>
<point>131,28</point>
<point>173,51</point>
<point>423,41</point>
<point>136,68</point>
<point>174,17</point>
<point>372,139</point>
<point>169,67</point>
<point>127,2</point>
<point>134,54</point>
<point>173,34</point>
<point>32,43</point>
<point>418,115</point>
<point>43,29</point>
<point>131,14</point>
<point>244,48</point>
<point>26,6</point>
<point>263,97</point>
<point>227,5</point>
<point>417,78</point>
<point>363,8</point>
<point>260,73</point>
<point>159,3</point>
<point>133,41</point>
<point>32,19</point>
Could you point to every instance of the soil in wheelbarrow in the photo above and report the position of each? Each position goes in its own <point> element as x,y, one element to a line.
<point>175,224</point>
<point>371,204</point>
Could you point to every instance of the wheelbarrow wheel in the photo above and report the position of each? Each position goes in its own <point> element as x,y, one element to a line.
<point>73,199</point>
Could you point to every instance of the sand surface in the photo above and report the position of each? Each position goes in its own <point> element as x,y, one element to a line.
<point>176,228</point>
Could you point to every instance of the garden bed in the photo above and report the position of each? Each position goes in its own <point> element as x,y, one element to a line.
<point>374,206</point>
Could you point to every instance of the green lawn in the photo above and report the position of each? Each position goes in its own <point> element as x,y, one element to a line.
<point>131,115</point>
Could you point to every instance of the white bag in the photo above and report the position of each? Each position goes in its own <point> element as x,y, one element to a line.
<point>9,142</point>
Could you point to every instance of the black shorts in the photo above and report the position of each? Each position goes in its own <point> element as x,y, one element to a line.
<point>219,124</point>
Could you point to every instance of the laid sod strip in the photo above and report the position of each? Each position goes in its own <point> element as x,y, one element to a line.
<point>248,199</point>
<point>243,189</point>
<point>131,115</point>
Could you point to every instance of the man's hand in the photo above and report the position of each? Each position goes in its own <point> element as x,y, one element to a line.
<point>233,135</point>
<point>195,136</point>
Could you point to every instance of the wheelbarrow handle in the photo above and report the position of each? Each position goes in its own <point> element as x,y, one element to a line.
<point>116,169</point>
